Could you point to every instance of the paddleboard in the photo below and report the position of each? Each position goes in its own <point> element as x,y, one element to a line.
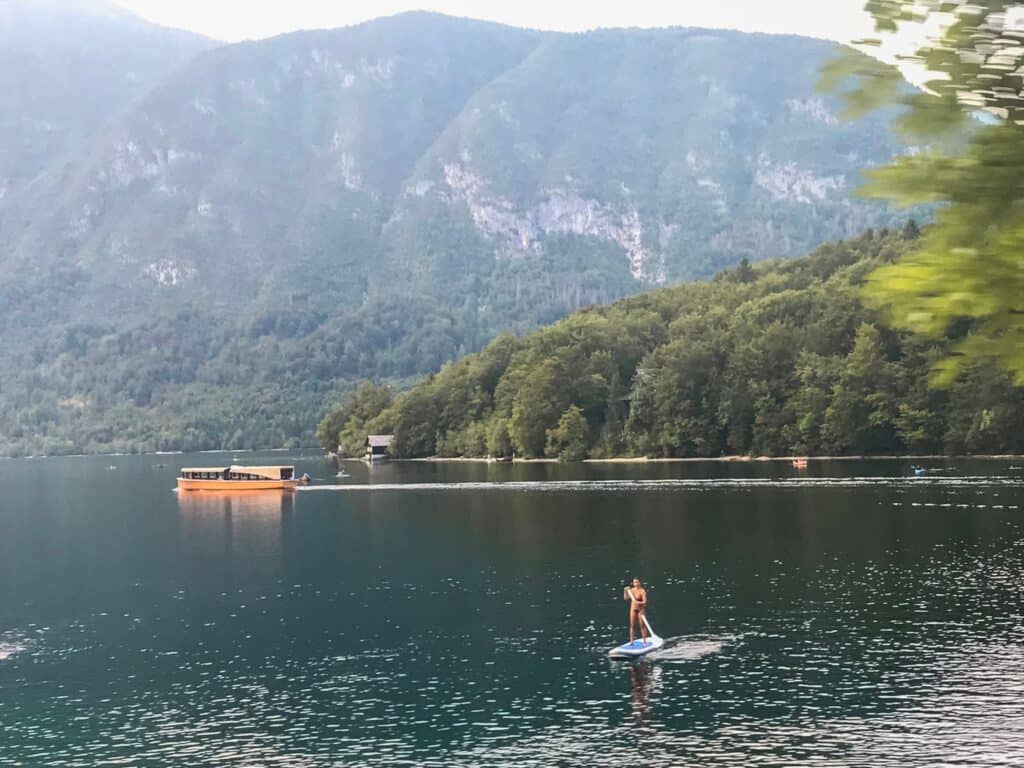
<point>637,648</point>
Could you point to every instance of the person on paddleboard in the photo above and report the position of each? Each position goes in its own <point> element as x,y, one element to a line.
<point>637,596</point>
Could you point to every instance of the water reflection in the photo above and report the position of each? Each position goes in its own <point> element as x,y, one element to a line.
<point>246,526</point>
<point>252,503</point>
<point>642,677</point>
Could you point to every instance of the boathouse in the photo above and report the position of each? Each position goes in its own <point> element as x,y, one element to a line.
<point>377,447</point>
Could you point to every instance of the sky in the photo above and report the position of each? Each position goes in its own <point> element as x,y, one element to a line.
<point>233,20</point>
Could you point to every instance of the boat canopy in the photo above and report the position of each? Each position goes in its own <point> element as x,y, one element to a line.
<point>263,473</point>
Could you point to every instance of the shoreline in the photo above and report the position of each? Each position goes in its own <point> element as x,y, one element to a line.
<point>732,459</point>
<point>720,459</point>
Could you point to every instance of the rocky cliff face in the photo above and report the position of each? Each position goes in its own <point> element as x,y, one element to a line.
<point>558,212</point>
<point>681,151</point>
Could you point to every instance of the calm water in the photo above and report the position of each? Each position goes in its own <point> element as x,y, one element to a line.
<point>848,615</point>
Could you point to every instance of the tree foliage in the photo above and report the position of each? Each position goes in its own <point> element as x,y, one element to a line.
<point>777,358</point>
<point>569,439</point>
<point>968,122</point>
<point>342,430</point>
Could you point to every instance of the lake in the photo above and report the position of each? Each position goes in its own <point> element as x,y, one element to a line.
<point>460,614</point>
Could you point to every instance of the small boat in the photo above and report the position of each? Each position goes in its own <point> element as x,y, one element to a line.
<point>237,478</point>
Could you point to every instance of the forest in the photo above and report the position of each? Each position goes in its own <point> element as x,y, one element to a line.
<point>777,358</point>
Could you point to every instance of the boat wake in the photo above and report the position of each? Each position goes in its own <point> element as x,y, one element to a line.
<point>691,648</point>
<point>680,484</point>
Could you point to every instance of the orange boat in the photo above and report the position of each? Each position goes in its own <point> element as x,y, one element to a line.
<point>235,478</point>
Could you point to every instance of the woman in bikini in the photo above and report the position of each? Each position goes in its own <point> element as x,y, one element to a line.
<point>637,596</point>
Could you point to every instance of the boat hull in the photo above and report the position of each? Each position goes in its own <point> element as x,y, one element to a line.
<point>236,485</point>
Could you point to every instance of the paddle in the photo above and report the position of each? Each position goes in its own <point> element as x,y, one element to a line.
<point>650,632</point>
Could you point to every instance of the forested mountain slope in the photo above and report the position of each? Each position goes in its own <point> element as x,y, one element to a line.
<point>775,359</point>
<point>279,219</point>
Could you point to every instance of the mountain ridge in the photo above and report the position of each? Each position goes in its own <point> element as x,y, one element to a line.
<point>305,211</point>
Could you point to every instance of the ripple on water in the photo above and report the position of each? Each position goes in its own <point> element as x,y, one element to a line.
<point>9,649</point>
<point>901,660</point>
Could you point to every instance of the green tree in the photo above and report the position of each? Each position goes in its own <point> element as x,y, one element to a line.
<point>416,423</point>
<point>536,407</point>
<point>640,422</point>
<point>611,443</point>
<point>329,429</point>
<point>981,418</point>
<point>922,411</point>
<point>344,429</point>
<point>970,118</point>
<point>686,400</point>
<point>817,376</point>
<point>863,411</point>
<point>570,439</point>
<point>499,443</point>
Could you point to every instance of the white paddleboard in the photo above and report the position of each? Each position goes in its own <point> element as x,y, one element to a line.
<point>637,648</point>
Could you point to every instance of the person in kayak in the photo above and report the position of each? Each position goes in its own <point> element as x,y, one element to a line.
<point>637,596</point>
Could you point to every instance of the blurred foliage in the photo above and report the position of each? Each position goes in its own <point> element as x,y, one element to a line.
<point>775,358</point>
<point>968,274</point>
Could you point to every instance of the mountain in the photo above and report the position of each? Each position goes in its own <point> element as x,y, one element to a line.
<point>624,159</point>
<point>277,219</point>
<point>774,359</point>
<point>67,67</point>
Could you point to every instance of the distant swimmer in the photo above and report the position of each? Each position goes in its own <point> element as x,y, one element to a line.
<point>637,596</point>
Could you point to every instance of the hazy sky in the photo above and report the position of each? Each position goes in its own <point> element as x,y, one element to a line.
<point>248,19</point>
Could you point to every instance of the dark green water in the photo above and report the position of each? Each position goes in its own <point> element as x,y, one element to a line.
<point>867,619</point>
